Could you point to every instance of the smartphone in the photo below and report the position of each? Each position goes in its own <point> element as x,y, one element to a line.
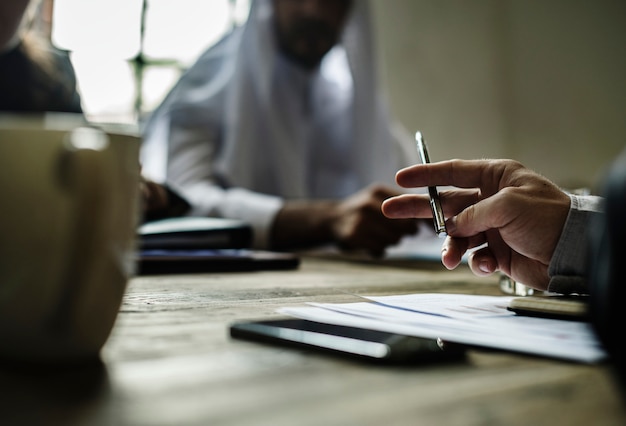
<point>353,342</point>
<point>564,307</point>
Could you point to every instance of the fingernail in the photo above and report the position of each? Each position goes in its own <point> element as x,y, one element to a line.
<point>485,267</point>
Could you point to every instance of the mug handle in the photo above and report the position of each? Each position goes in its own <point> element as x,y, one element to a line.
<point>83,172</point>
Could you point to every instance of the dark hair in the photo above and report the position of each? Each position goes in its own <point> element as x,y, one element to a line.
<point>36,77</point>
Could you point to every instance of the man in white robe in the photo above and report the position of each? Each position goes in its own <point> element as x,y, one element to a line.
<point>282,124</point>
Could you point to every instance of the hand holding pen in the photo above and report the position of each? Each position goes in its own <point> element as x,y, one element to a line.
<point>510,216</point>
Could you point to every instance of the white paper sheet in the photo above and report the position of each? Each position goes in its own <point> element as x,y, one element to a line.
<point>425,245</point>
<point>469,319</point>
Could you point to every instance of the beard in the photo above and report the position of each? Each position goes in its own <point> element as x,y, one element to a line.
<point>307,41</point>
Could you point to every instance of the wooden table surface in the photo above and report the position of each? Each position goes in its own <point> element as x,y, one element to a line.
<point>170,361</point>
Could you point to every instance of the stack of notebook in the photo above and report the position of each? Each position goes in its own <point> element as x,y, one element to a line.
<point>203,244</point>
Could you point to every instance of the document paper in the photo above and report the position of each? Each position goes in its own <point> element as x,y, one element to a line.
<point>469,319</point>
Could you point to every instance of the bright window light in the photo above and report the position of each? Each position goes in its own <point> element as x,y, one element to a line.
<point>173,32</point>
<point>107,27</point>
<point>107,88</point>
<point>156,83</point>
<point>123,74</point>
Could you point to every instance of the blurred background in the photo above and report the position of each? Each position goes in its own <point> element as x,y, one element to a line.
<point>541,81</point>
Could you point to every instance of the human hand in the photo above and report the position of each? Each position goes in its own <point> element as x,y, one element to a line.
<point>358,223</point>
<point>154,196</point>
<point>517,213</point>
<point>158,201</point>
<point>355,223</point>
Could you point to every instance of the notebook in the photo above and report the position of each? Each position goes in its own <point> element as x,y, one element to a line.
<point>195,232</point>
<point>203,244</point>
<point>159,262</point>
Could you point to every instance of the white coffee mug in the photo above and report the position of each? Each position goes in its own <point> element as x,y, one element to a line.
<point>69,208</point>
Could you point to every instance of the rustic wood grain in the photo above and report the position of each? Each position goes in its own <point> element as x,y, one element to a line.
<point>170,361</point>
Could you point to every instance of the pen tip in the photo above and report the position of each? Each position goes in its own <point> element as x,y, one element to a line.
<point>418,135</point>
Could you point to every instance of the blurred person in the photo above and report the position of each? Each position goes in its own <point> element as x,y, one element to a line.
<point>34,75</point>
<point>282,124</point>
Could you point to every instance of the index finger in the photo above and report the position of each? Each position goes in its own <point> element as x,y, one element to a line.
<point>483,174</point>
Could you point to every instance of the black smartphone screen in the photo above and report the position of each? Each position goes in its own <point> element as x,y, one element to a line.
<point>354,342</point>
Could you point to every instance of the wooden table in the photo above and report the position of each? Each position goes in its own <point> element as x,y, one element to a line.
<point>170,361</point>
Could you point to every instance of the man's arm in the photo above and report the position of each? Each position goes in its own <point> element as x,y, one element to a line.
<point>355,223</point>
<point>567,268</point>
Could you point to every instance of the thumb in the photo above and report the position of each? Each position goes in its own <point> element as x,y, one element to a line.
<point>479,217</point>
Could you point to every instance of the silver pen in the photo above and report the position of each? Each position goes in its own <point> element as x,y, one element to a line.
<point>435,204</point>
